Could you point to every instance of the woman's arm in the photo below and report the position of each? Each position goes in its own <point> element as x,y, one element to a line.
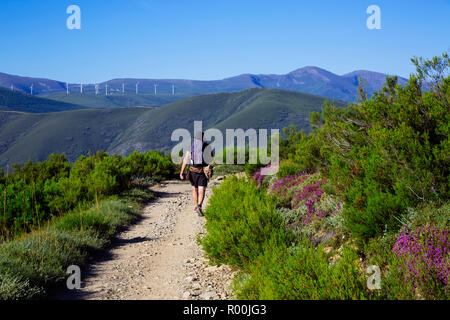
<point>183,166</point>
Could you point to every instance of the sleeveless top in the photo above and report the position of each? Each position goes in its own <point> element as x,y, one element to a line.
<point>197,148</point>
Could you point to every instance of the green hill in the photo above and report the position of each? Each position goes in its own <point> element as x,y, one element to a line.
<point>122,130</point>
<point>252,108</point>
<point>27,136</point>
<point>18,101</point>
<point>115,100</point>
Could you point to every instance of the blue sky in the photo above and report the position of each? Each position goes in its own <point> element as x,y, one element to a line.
<point>214,39</point>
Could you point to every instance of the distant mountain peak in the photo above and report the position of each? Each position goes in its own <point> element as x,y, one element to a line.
<point>310,70</point>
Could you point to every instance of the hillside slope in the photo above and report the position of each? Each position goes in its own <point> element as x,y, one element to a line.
<point>252,108</point>
<point>23,84</point>
<point>19,101</point>
<point>27,136</point>
<point>115,100</point>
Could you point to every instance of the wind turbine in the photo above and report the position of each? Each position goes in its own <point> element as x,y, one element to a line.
<point>81,88</point>
<point>173,89</point>
<point>67,87</point>
<point>31,90</point>
<point>96,89</point>
<point>155,88</point>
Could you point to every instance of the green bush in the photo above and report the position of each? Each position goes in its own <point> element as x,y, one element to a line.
<point>101,222</point>
<point>35,192</point>
<point>289,168</point>
<point>302,272</point>
<point>301,152</point>
<point>152,163</point>
<point>391,152</point>
<point>14,288</point>
<point>241,220</point>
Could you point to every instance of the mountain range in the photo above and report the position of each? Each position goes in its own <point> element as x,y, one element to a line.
<point>311,80</point>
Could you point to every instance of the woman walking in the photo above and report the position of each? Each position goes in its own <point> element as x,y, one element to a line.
<point>194,159</point>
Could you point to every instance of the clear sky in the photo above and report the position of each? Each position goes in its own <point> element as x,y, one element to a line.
<point>214,39</point>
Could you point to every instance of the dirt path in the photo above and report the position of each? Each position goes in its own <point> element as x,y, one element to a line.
<point>158,258</point>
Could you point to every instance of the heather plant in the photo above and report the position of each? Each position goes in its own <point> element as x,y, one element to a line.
<point>304,205</point>
<point>284,188</point>
<point>425,253</point>
<point>381,155</point>
<point>313,201</point>
<point>262,179</point>
<point>258,177</point>
<point>378,251</point>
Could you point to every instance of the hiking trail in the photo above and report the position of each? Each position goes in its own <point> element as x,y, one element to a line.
<point>158,257</point>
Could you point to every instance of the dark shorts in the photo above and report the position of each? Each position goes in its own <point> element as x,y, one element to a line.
<point>198,179</point>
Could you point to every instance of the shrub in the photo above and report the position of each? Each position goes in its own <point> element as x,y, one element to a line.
<point>391,152</point>
<point>284,188</point>
<point>14,288</point>
<point>262,177</point>
<point>241,220</point>
<point>302,272</point>
<point>35,192</point>
<point>289,168</point>
<point>101,222</point>
<point>435,214</point>
<point>151,163</point>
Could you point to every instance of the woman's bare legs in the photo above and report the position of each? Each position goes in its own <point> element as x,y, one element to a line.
<point>195,196</point>
<point>201,196</point>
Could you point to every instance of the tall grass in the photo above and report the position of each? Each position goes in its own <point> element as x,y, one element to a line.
<point>34,263</point>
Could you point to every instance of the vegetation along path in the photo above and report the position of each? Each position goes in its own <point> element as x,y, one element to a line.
<point>158,257</point>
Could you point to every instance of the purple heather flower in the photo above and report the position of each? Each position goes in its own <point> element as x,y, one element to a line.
<point>425,254</point>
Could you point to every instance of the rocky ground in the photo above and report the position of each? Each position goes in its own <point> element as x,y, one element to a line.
<point>158,257</point>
